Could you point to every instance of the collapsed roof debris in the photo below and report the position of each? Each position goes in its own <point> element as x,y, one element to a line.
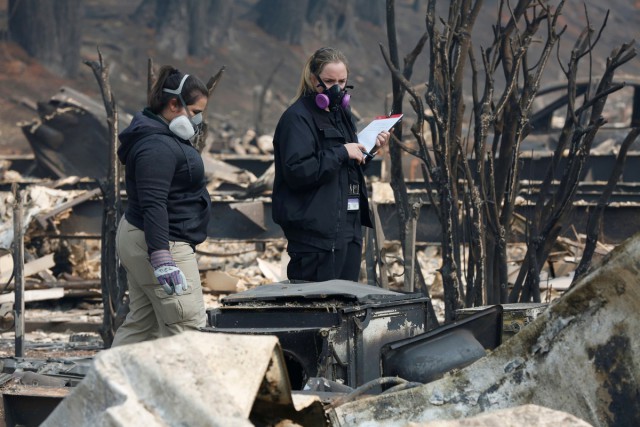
<point>70,137</point>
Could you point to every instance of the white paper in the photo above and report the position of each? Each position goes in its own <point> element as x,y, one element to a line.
<point>368,135</point>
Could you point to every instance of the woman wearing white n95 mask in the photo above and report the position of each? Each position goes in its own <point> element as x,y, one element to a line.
<point>167,213</point>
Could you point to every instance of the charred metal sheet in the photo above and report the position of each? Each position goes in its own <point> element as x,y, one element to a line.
<point>70,137</point>
<point>71,368</point>
<point>621,220</point>
<point>340,290</point>
<point>514,316</point>
<point>257,164</point>
<point>254,211</point>
<point>228,223</point>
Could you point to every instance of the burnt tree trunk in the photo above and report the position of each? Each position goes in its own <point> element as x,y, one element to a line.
<point>49,31</point>
<point>369,11</point>
<point>190,27</point>
<point>334,20</point>
<point>210,22</point>
<point>172,27</point>
<point>283,19</point>
<point>114,301</point>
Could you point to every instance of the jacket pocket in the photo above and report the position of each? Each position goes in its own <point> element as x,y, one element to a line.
<point>332,134</point>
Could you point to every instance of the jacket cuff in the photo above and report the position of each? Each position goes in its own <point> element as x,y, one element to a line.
<point>343,153</point>
<point>160,258</point>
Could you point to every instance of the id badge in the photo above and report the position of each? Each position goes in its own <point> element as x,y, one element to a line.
<point>353,204</point>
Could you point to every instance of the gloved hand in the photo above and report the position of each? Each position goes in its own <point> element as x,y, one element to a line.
<point>167,272</point>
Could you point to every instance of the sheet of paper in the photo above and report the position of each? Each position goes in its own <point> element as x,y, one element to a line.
<point>367,136</point>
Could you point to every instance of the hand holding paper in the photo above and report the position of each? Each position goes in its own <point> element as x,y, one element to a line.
<point>368,135</point>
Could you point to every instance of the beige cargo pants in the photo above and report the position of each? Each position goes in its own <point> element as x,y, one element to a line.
<point>153,313</point>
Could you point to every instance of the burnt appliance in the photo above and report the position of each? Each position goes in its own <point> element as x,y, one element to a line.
<point>333,329</point>
<point>428,356</point>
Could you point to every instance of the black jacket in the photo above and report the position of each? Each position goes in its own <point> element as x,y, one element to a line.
<point>165,181</point>
<point>311,175</point>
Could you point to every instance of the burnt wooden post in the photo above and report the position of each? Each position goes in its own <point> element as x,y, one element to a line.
<point>113,287</point>
<point>369,256</point>
<point>380,251</point>
<point>18,268</point>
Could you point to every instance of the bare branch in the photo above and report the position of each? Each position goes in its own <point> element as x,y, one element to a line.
<point>212,84</point>
<point>596,216</point>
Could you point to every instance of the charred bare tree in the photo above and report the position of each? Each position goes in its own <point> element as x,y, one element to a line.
<point>282,19</point>
<point>369,11</point>
<point>210,22</point>
<point>261,98</point>
<point>186,28</point>
<point>212,84</point>
<point>595,218</point>
<point>476,189</point>
<point>334,20</point>
<point>331,19</point>
<point>49,31</point>
<point>113,284</point>
<point>406,214</point>
<point>582,122</point>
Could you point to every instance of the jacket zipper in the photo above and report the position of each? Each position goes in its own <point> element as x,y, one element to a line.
<point>339,222</point>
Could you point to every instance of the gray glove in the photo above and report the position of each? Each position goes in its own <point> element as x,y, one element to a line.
<point>167,272</point>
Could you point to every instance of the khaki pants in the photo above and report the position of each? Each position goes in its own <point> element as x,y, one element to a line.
<point>153,313</point>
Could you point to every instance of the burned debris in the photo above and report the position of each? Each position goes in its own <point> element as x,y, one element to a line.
<point>337,342</point>
<point>469,304</point>
<point>69,138</point>
<point>245,372</point>
<point>565,360</point>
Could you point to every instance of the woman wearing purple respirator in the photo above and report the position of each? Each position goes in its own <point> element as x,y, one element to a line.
<point>319,192</point>
<point>167,213</point>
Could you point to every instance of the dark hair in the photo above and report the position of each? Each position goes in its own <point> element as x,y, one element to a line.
<point>314,66</point>
<point>170,78</point>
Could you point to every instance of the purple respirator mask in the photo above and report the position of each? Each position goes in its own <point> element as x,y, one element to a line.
<point>333,97</point>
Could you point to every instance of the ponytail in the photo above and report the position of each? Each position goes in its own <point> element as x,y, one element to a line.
<point>170,78</point>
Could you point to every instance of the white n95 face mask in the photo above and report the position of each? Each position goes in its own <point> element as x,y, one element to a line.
<point>182,127</point>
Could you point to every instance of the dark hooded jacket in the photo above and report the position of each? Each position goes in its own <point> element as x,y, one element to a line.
<point>165,182</point>
<point>310,189</point>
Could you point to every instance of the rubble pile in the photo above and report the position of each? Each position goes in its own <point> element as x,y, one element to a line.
<point>574,365</point>
<point>237,381</point>
<point>579,356</point>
